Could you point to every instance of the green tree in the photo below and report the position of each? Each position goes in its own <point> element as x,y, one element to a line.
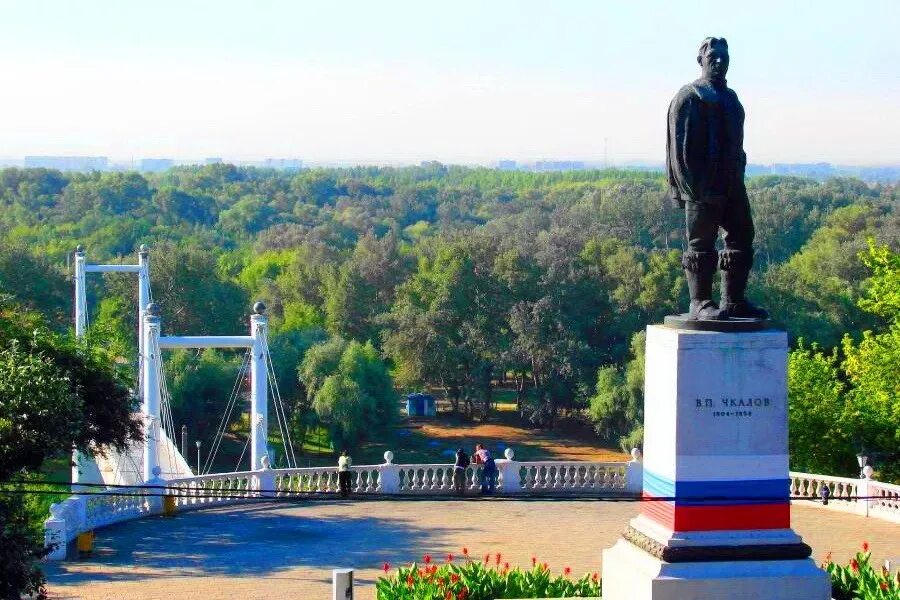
<point>351,389</point>
<point>54,393</point>
<point>617,407</point>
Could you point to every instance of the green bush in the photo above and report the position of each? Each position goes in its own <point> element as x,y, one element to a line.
<point>860,581</point>
<point>481,580</point>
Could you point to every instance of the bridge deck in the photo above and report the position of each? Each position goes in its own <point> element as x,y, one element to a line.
<point>287,550</point>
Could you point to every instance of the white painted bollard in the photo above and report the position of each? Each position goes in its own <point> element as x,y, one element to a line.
<point>510,482</point>
<point>634,473</point>
<point>389,475</point>
<point>342,584</point>
<point>55,534</point>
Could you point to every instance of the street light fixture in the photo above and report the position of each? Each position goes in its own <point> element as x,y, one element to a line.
<point>198,457</point>
<point>862,460</point>
<point>184,441</point>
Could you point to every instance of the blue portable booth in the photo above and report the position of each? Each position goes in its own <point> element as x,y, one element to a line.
<point>420,405</point>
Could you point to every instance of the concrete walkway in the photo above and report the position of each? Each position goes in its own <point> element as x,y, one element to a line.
<point>287,551</point>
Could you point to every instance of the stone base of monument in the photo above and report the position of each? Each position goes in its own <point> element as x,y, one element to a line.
<point>630,573</point>
<point>715,516</point>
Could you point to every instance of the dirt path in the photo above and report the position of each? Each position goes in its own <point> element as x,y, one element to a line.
<point>530,442</point>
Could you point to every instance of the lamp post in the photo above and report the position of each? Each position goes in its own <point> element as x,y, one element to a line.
<point>862,460</point>
<point>198,458</point>
<point>184,441</point>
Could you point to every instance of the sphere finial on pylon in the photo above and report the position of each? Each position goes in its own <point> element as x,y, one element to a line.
<point>259,308</point>
<point>79,249</point>
<point>144,250</point>
<point>153,309</point>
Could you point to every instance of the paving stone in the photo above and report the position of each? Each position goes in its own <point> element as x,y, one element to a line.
<point>282,551</point>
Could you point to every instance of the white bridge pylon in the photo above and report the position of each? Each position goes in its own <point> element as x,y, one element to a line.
<point>256,342</point>
<point>158,456</point>
<point>87,469</point>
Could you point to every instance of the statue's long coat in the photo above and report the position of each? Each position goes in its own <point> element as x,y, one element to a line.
<point>705,158</point>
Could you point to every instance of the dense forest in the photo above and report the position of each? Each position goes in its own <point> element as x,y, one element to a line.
<point>382,280</point>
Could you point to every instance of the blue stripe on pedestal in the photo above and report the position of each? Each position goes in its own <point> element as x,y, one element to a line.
<point>718,493</point>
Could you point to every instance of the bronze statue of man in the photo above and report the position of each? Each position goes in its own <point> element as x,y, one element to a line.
<point>705,164</point>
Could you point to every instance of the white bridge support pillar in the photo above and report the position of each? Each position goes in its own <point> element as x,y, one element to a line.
<point>143,300</point>
<point>80,294</point>
<point>80,328</point>
<point>150,389</point>
<point>259,387</point>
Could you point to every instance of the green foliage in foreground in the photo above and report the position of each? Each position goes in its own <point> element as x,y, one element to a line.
<point>859,580</point>
<point>54,392</point>
<point>476,580</point>
<point>21,548</point>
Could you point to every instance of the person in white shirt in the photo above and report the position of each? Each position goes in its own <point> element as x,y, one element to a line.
<point>344,463</point>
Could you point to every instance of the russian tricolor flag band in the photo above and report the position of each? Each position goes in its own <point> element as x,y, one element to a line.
<point>717,505</point>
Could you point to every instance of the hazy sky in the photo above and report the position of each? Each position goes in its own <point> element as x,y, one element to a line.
<point>455,80</point>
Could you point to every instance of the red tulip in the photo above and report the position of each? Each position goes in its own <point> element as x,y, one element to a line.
<point>427,558</point>
<point>567,571</point>
<point>465,551</point>
<point>449,558</point>
<point>865,546</point>
<point>386,567</point>
<point>854,565</point>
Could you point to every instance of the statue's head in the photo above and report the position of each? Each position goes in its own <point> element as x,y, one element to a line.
<point>713,58</point>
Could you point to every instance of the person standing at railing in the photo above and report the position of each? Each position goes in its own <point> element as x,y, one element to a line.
<point>488,470</point>
<point>344,464</point>
<point>459,472</point>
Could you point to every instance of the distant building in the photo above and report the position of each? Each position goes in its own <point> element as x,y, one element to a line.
<point>507,165</point>
<point>68,163</point>
<point>156,165</point>
<point>213,160</point>
<point>559,165</point>
<point>284,164</point>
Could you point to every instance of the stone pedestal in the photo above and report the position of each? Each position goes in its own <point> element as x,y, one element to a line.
<point>715,520</point>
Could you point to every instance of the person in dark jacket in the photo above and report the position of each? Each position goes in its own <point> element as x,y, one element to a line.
<point>459,472</point>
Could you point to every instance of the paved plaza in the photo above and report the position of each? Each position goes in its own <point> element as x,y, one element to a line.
<point>287,551</point>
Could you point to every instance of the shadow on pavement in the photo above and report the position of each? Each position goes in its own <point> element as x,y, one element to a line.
<point>243,541</point>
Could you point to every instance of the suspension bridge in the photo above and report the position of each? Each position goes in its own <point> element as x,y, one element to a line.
<point>158,456</point>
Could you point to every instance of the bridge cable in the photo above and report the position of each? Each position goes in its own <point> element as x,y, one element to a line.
<point>226,415</point>
<point>281,415</point>
<point>237,467</point>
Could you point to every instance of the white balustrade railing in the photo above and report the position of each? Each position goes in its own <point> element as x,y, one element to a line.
<point>122,505</point>
<point>885,502</point>
<point>81,513</point>
<point>574,476</point>
<point>863,496</point>
<point>294,482</point>
<point>215,489</point>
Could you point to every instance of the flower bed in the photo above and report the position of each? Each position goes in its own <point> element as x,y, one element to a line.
<point>490,578</point>
<point>487,579</point>
<point>861,581</point>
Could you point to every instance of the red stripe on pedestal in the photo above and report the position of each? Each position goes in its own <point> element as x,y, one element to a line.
<point>711,518</point>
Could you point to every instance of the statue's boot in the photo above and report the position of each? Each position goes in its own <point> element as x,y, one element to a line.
<point>699,268</point>
<point>735,265</point>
